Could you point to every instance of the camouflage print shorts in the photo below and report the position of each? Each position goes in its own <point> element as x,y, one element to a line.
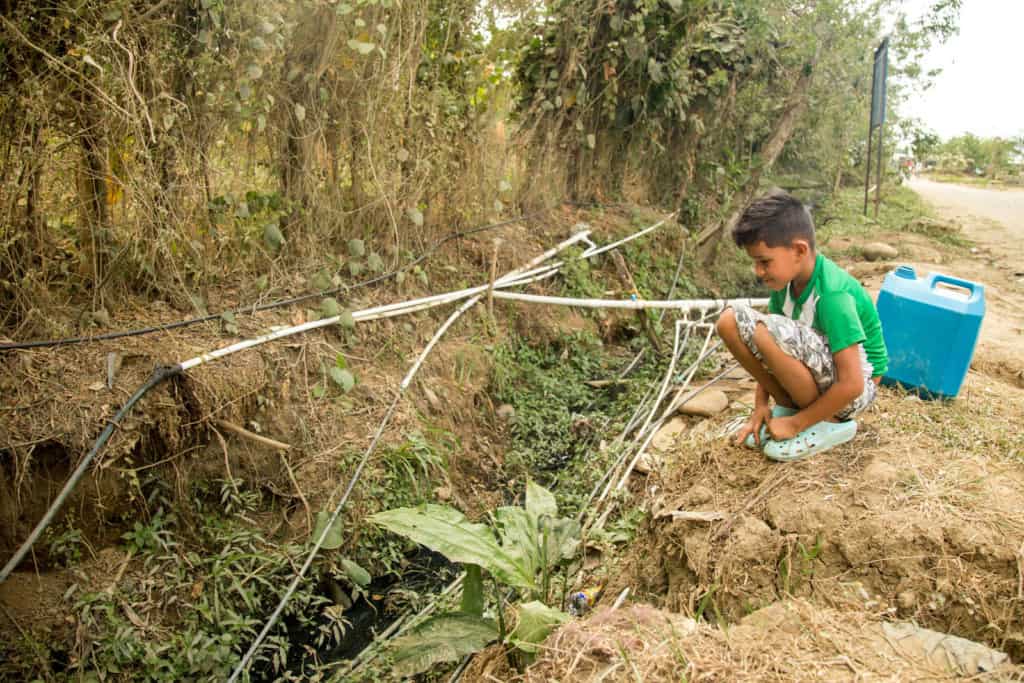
<point>810,347</point>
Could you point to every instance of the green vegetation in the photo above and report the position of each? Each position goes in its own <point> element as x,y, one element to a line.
<point>522,550</point>
<point>969,158</point>
<point>901,210</point>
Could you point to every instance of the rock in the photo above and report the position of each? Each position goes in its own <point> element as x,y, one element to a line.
<point>957,655</point>
<point>647,463</point>
<point>443,493</point>
<point>505,411</point>
<point>879,251</point>
<point>907,599</point>
<point>706,403</point>
<point>698,495</point>
<point>667,435</point>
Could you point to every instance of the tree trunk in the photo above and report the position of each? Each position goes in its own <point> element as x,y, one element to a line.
<point>316,40</point>
<point>794,108</point>
<point>93,216</point>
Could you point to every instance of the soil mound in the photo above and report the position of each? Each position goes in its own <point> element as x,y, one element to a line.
<point>917,518</point>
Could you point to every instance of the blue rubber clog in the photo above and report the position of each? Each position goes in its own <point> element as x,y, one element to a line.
<point>777,411</point>
<point>815,439</point>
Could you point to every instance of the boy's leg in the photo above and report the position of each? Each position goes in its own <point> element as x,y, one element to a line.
<point>748,337</point>
<point>728,330</point>
<point>791,373</point>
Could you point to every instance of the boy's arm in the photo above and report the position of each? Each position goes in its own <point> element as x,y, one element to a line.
<point>848,385</point>
<point>760,415</point>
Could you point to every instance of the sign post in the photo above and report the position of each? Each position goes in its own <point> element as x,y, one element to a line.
<point>877,120</point>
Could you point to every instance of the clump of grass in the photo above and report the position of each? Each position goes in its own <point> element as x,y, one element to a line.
<point>901,210</point>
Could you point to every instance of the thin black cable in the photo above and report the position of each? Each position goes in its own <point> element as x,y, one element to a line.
<point>251,309</point>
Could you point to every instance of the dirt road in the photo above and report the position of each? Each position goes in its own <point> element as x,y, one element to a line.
<point>994,221</point>
<point>966,203</point>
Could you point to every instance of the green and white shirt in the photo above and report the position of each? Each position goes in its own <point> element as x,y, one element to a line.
<point>834,304</point>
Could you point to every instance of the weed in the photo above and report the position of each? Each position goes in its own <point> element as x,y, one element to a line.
<point>65,547</point>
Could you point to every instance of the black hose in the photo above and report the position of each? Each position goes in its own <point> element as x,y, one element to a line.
<point>250,309</point>
<point>159,375</point>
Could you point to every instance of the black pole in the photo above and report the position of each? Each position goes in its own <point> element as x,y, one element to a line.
<point>878,175</point>
<point>867,166</point>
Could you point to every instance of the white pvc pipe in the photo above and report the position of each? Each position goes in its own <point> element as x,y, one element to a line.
<point>608,247</point>
<point>375,313</point>
<point>633,304</point>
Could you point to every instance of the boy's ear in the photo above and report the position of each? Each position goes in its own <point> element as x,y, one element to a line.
<point>802,247</point>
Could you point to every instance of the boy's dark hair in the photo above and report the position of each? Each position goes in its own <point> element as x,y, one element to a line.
<point>776,219</point>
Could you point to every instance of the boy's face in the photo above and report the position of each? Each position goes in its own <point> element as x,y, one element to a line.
<point>776,267</point>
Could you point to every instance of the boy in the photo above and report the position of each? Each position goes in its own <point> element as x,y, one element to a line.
<point>819,352</point>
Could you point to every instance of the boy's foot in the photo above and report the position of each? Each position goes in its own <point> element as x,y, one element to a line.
<point>777,411</point>
<point>815,439</point>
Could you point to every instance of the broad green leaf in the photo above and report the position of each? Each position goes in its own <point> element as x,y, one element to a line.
<point>355,268</point>
<point>444,638</point>
<point>321,280</point>
<point>254,71</point>
<point>329,307</point>
<point>343,378</point>
<point>346,320</point>
<point>536,622</point>
<point>400,277</point>
<point>540,501</point>
<point>472,591</point>
<point>272,235</point>
<point>563,538</point>
<point>446,530</point>
<point>333,539</point>
<point>374,263</point>
<point>318,390</point>
<point>356,248</point>
<point>416,216</point>
<point>355,573</point>
<point>343,8</point>
<point>519,539</point>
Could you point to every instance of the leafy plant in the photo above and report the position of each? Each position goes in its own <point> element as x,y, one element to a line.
<point>519,550</point>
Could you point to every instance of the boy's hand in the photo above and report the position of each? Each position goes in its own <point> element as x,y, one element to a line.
<point>782,428</point>
<point>758,417</point>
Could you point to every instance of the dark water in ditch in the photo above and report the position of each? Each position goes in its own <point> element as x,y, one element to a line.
<point>387,598</point>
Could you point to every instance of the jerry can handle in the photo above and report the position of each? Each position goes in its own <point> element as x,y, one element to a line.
<point>972,287</point>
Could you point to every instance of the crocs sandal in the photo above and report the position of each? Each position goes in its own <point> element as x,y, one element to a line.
<point>777,411</point>
<point>815,439</point>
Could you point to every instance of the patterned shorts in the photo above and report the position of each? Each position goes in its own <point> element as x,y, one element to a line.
<point>809,346</point>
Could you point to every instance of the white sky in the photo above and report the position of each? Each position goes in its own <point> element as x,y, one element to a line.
<point>981,87</point>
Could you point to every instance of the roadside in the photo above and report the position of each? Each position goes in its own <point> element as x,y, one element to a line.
<point>826,569</point>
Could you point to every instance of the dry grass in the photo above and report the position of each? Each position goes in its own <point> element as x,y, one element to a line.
<point>789,641</point>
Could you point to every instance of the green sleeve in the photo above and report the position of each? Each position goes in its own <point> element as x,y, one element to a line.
<point>839,322</point>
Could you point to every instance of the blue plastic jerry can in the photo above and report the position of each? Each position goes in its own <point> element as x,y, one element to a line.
<point>931,327</point>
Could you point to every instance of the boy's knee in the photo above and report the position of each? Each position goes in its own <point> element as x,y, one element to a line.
<point>762,336</point>
<point>726,323</point>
